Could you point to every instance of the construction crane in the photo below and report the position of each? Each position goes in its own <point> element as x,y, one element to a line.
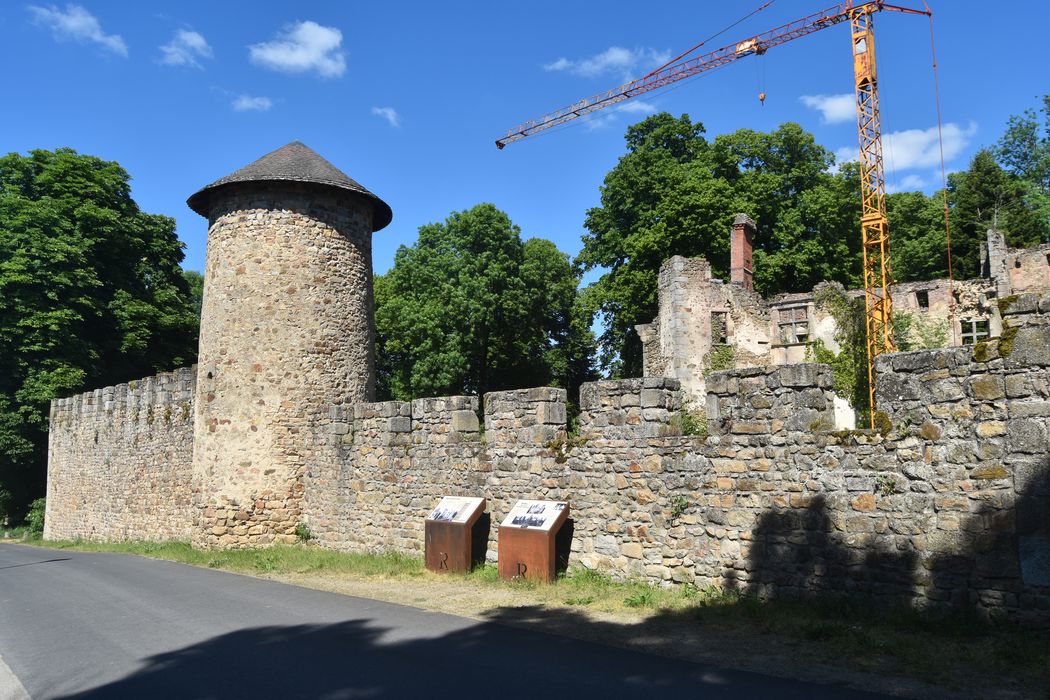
<point>873,222</point>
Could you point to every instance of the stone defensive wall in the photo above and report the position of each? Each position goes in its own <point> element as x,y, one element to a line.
<point>120,461</point>
<point>947,502</point>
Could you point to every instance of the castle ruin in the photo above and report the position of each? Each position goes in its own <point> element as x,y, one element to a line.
<point>700,314</point>
<point>276,427</point>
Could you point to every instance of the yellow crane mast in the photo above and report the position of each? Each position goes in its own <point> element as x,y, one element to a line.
<point>874,226</point>
<point>875,234</point>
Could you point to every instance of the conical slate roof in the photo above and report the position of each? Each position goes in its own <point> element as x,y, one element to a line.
<point>295,162</point>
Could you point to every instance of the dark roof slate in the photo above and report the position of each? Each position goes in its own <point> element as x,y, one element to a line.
<point>294,162</point>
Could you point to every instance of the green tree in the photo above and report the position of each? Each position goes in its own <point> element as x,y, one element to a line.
<point>195,282</point>
<point>91,294</point>
<point>471,308</point>
<point>675,193</point>
<point>1024,152</point>
<point>918,247</point>
<point>984,197</point>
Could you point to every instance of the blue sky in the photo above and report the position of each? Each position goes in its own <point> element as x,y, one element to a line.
<point>408,98</point>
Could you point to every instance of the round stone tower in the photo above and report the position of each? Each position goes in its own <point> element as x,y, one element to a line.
<point>286,332</point>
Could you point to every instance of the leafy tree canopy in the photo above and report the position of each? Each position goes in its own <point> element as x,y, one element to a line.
<point>472,308</point>
<point>1007,188</point>
<point>91,294</point>
<point>675,193</point>
<point>984,197</point>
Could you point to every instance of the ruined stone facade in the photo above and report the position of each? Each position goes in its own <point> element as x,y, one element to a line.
<point>701,317</point>
<point>950,503</point>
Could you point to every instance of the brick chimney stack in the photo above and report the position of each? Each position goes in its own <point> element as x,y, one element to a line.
<point>740,245</point>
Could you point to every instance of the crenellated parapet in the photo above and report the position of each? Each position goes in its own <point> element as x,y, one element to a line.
<point>167,397</point>
<point>771,399</point>
<point>629,408</point>
<point>382,423</point>
<point>526,416</point>
<point>120,460</point>
<point>448,419</point>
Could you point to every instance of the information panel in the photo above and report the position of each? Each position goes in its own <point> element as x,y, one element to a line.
<point>527,540</point>
<point>456,509</point>
<point>452,535</point>
<point>535,515</point>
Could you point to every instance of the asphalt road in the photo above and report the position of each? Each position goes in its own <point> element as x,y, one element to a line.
<point>88,625</point>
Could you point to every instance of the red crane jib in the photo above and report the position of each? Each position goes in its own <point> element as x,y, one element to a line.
<point>758,44</point>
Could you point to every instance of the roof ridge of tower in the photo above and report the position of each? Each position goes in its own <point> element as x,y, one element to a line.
<point>293,162</point>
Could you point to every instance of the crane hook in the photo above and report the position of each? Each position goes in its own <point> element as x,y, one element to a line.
<point>762,98</point>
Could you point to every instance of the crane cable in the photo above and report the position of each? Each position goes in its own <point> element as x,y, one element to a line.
<point>669,88</point>
<point>713,36</point>
<point>944,176</point>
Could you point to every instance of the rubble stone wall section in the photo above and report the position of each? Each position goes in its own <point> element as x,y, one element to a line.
<point>949,504</point>
<point>944,508</point>
<point>120,460</point>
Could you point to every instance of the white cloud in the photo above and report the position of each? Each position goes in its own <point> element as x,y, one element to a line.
<point>917,148</point>
<point>184,49</point>
<point>78,24</point>
<point>613,59</point>
<point>834,109</point>
<point>560,64</point>
<point>247,103</point>
<point>608,116</point>
<point>636,107</point>
<point>301,47</point>
<point>908,183</point>
<point>388,113</point>
<point>593,122</point>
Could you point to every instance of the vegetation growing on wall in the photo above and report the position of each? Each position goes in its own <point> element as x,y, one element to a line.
<point>719,358</point>
<point>91,294</point>
<point>919,331</point>
<point>849,364</point>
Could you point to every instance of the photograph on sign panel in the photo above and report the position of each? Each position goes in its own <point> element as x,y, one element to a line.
<point>457,509</point>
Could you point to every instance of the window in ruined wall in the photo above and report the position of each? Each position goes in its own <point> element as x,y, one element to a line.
<point>974,330</point>
<point>719,327</point>
<point>922,298</point>
<point>794,324</point>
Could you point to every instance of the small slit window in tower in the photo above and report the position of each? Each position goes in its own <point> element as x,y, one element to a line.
<point>922,298</point>
<point>719,328</point>
<point>974,330</point>
<point>794,324</point>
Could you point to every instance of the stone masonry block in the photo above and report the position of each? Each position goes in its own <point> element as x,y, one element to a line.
<point>399,424</point>
<point>654,398</point>
<point>550,413</point>
<point>1031,346</point>
<point>1021,304</point>
<point>465,421</point>
<point>800,375</point>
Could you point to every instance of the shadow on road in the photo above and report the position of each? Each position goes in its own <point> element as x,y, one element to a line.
<point>359,659</point>
<point>31,563</point>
